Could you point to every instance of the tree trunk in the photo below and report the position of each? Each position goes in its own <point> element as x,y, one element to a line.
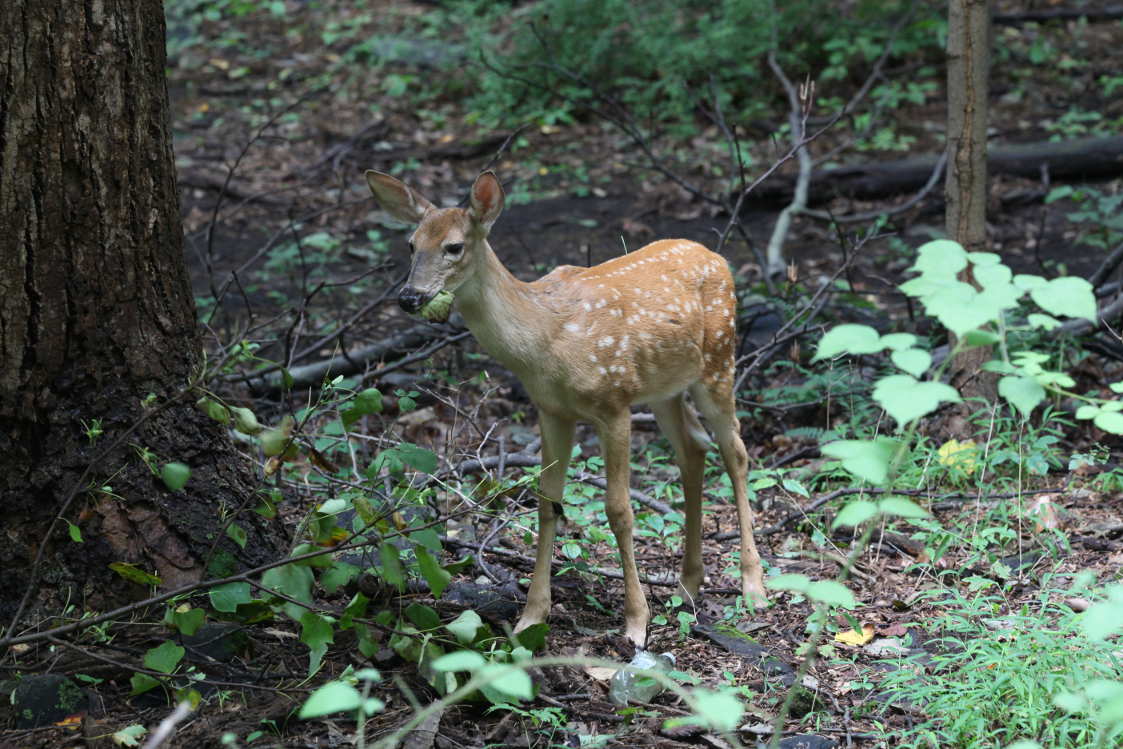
<point>96,316</point>
<point>966,185</point>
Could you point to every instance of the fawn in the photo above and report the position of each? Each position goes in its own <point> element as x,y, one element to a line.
<point>587,343</point>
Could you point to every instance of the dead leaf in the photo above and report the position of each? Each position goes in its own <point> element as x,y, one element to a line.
<point>854,637</point>
<point>893,630</point>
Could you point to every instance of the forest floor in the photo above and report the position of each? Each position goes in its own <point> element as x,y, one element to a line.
<point>301,139</point>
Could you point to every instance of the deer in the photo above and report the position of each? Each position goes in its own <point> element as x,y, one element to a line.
<point>647,327</point>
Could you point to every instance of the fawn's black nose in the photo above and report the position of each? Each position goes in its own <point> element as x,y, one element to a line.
<point>410,299</point>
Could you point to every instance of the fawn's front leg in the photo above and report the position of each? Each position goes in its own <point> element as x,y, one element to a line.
<point>557,443</point>
<point>615,436</point>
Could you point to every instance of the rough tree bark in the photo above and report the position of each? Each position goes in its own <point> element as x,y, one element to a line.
<point>968,52</point>
<point>96,313</point>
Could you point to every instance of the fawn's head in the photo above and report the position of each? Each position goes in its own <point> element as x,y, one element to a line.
<point>447,243</point>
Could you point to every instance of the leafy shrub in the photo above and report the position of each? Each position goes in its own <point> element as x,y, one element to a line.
<point>660,57</point>
<point>1016,672</point>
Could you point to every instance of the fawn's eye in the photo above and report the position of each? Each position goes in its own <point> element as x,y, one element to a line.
<point>454,249</point>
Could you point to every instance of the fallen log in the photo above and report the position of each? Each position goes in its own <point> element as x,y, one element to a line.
<point>1071,160</point>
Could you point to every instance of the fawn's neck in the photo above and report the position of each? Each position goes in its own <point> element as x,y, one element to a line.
<point>502,313</point>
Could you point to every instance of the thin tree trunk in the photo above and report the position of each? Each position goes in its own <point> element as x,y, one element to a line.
<point>966,185</point>
<point>96,315</point>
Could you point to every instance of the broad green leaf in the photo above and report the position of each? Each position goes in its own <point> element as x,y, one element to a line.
<point>317,633</point>
<point>434,574</point>
<point>367,402</point>
<point>424,617</point>
<point>275,441</point>
<point>1068,295</point>
<point>1109,421</point>
<point>1029,282</point>
<point>428,538</point>
<point>175,475</point>
<point>338,575</point>
<point>1043,321</point>
<point>913,360</point>
<point>901,507</point>
<point>1070,702</point>
<point>74,532</point>
<point>142,683</point>
<point>905,398</point>
<point>134,574</point>
<point>978,337</point>
<point>795,487</point>
<point>1105,618</point>
<point>866,459</point>
<point>831,592</point>
<point>333,506</point>
<point>465,626</point>
<point>510,680</point>
<point>333,697</point>
<point>460,660</point>
<point>129,735</point>
<point>983,259</point>
<point>1058,193</point>
<point>532,638</point>
<point>991,276</point>
<point>1116,387</point>
<point>321,560</point>
<point>418,458</point>
<point>391,564</point>
<point>999,367</point>
<point>789,581</point>
<point>1023,393</point>
<point>720,711</point>
<point>226,598</point>
<point>855,513</point>
<point>214,409</point>
<point>1102,690</point>
<point>941,257</point>
<point>294,581</point>
<point>245,421</point>
<point>164,657</point>
<point>1055,379</point>
<point>848,339</point>
<point>355,609</point>
<point>956,304</point>
<point>1087,412</point>
<point>236,534</point>
<point>188,622</point>
<point>898,341</point>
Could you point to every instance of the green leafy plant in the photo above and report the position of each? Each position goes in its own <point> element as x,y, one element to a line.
<point>1030,675</point>
<point>652,57</point>
<point>1097,214</point>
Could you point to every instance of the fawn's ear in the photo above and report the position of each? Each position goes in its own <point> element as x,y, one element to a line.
<point>396,198</point>
<point>486,200</point>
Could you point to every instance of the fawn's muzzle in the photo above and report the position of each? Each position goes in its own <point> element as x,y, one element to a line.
<point>411,300</point>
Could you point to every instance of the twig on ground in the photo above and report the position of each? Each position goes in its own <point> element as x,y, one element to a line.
<point>168,725</point>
